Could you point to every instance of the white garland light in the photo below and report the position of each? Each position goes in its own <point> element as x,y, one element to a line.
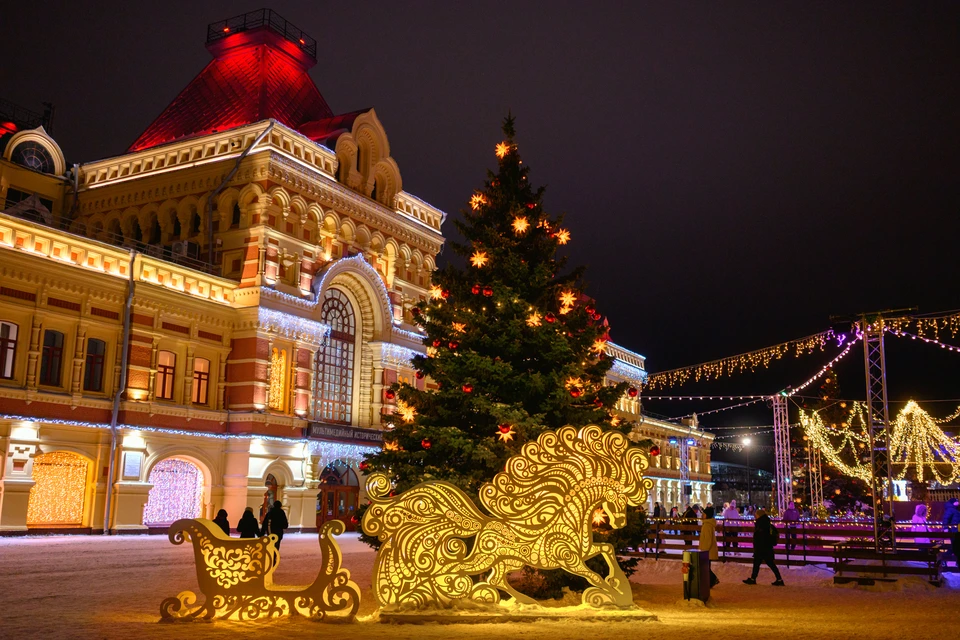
<point>291,325</point>
<point>629,371</point>
<point>399,356</point>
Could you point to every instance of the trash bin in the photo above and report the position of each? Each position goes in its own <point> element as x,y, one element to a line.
<point>696,575</point>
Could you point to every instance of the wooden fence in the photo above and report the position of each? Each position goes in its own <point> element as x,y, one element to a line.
<point>800,543</point>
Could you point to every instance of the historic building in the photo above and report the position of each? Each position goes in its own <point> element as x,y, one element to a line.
<point>211,319</point>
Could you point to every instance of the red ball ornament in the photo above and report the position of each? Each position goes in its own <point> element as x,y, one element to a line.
<point>598,402</point>
<point>425,443</point>
<point>597,317</point>
<point>415,311</point>
<point>550,317</point>
<point>576,393</point>
<point>590,309</point>
<point>467,388</point>
<point>390,394</point>
<point>531,205</point>
<point>654,450</point>
<point>504,428</point>
<point>488,291</point>
<point>437,343</point>
<point>363,466</point>
<point>453,344</point>
<point>354,520</point>
<point>475,289</point>
<point>445,294</point>
<point>419,375</point>
<point>632,392</point>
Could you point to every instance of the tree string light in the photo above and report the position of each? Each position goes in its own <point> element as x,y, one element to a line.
<point>919,443</point>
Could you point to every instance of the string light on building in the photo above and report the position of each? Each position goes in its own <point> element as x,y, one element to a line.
<point>177,492</point>
<point>340,454</point>
<point>57,497</point>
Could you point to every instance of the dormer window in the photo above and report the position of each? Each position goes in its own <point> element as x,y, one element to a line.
<point>33,156</point>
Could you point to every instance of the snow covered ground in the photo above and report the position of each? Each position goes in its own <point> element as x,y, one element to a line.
<point>96,587</point>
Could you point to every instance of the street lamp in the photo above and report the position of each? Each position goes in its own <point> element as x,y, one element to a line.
<point>746,447</point>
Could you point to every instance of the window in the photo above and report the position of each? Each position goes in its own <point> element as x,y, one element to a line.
<point>201,380</point>
<point>51,360</point>
<point>235,219</point>
<point>166,364</point>
<point>278,378</point>
<point>334,370</point>
<point>8,349</point>
<point>93,371</point>
<point>33,155</point>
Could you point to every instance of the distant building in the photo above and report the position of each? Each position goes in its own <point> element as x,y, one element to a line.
<point>730,482</point>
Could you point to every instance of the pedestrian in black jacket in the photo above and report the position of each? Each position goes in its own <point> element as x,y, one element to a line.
<point>222,522</point>
<point>951,523</point>
<point>275,522</point>
<point>248,525</point>
<point>764,540</point>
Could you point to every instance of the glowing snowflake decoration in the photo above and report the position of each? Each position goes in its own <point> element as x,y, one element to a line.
<point>520,224</point>
<point>479,258</point>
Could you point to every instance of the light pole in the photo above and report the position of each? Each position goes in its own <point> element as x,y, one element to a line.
<point>746,448</point>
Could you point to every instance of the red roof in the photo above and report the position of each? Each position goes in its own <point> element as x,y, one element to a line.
<point>255,75</point>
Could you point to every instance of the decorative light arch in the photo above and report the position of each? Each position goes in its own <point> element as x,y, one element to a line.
<point>59,495</point>
<point>178,491</point>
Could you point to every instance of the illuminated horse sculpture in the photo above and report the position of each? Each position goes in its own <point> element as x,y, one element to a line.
<point>542,506</point>
<point>236,578</point>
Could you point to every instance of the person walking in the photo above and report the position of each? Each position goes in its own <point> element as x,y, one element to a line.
<point>764,540</point>
<point>790,519</point>
<point>222,522</point>
<point>919,522</point>
<point>730,516</point>
<point>951,518</point>
<point>275,522</point>
<point>657,510</point>
<point>708,541</point>
<point>248,525</point>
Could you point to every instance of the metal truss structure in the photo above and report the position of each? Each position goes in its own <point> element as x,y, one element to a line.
<point>815,476</point>
<point>878,428</point>
<point>781,446</point>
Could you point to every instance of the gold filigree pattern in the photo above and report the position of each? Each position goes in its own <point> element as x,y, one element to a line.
<point>542,506</point>
<point>236,578</point>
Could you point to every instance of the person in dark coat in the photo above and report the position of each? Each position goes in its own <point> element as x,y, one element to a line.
<point>222,522</point>
<point>764,539</point>
<point>790,519</point>
<point>248,525</point>
<point>951,520</point>
<point>658,510</point>
<point>275,522</point>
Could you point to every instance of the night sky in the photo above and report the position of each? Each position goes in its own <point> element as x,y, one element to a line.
<point>732,173</point>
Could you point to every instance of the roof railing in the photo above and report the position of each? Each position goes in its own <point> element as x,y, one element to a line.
<point>262,18</point>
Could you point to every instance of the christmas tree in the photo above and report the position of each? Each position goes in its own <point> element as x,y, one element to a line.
<point>514,348</point>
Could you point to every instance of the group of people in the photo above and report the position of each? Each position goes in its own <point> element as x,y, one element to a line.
<point>274,521</point>
<point>951,524</point>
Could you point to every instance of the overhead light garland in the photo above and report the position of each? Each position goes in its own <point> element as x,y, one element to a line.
<point>904,334</point>
<point>819,437</point>
<point>741,363</point>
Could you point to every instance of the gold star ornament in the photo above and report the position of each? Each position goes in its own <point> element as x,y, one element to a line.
<point>567,298</point>
<point>503,148</point>
<point>477,200</point>
<point>479,258</point>
<point>406,412</point>
<point>599,517</point>
<point>436,292</point>
<point>534,319</point>
<point>505,432</point>
<point>562,236</point>
<point>520,224</point>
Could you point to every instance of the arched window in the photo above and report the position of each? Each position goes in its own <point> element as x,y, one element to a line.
<point>166,366</point>
<point>135,230</point>
<point>194,223</point>
<point>278,379</point>
<point>8,349</point>
<point>33,155</point>
<point>334,370</point>
<point>177,492</point>
<point>93,369</point>
<point>57,498</point>
<point>235,218</point>
<point>201,380</point>
<point>51,359</point>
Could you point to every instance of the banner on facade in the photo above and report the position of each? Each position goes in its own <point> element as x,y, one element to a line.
<point>343,433</point>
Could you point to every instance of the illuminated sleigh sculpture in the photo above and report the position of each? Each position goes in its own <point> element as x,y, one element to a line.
<point>236,578</point>
<point>542,506</point>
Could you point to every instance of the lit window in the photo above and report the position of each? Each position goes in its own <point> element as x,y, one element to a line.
<point>166,365</point>
<point>93,371</point>
<point>51,360</point>
<point>334,370</point>
<point>8,349</point>
<point>278,378</point>
<point>201,380</point>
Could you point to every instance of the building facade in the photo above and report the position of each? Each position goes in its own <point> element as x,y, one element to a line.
<point>211,319</point>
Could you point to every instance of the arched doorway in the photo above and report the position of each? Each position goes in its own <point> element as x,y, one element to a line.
<point>338,496</point>
<point>270,495</point>
<point>177,492</point>
<point>57,498</point>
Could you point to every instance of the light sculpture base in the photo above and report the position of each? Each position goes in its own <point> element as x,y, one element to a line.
<point>236,578</point>
<point>435,541</point>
